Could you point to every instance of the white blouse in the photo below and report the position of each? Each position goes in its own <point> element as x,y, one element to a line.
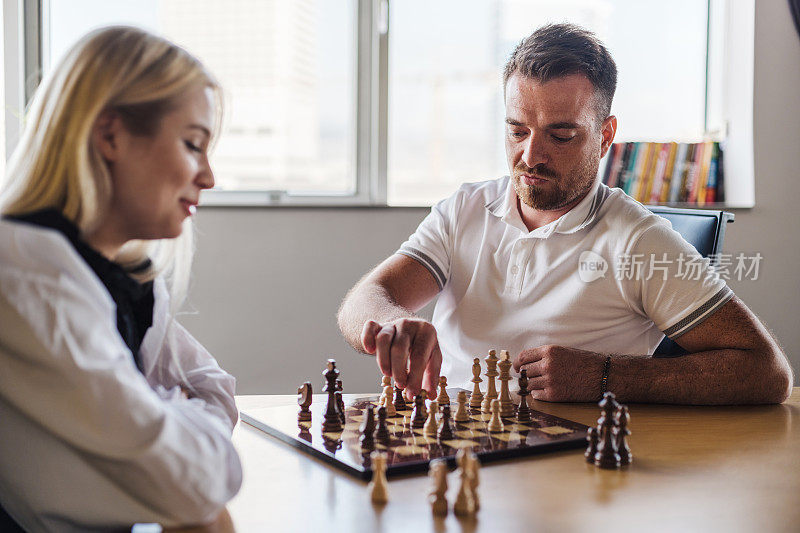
<point>86,440</point>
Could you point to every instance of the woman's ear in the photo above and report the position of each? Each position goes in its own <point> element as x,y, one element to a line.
<point>106,134</point>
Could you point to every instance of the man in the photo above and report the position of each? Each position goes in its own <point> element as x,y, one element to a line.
<point>506,259</point>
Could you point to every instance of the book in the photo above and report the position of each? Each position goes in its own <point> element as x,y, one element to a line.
<point>661,195</point>
<point>693,181</point>
<point>627,175</point>
<point>677,173</point>
<point>642,168</point>
<point>654,185</point>
<point>702,178</point>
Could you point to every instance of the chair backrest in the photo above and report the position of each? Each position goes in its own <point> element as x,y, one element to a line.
<point>704,230</point>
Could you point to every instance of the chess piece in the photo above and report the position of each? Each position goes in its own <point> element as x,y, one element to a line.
<point>623,418</point>
<point>496,423</point>
<point>367,429</point>
<point>607,455</point>
<point>506,404</point>
<point>417,415</point>
<point>332,421</point>
<point>424,395</point>
<point>382,430</point>
<point>304,397</point>
<point>385,381</point>
<point>464,504</point>
<point>445,431</point>
<point>591,444</point>
<point>443,399</point>
<point>491,373</point>
<point>378,487</point>
<point>462,415</point>
<point>437,473</point>
<point>340,401</point>
<point>431,427</point>
<point>387,402</point>
<point>523,411</point>
<point>399,401</point>
<point>477,396</point>
<point>474,466</point>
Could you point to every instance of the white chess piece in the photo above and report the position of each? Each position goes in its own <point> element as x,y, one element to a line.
<point>378,487</point>
<point>438,476</point>
<point>464,504</point>
<point>495,424</point>
<point>462,414</point>
<point>431,427</point>
<point>388,403</point>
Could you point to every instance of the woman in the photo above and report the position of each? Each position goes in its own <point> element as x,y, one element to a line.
<point>110,412</point>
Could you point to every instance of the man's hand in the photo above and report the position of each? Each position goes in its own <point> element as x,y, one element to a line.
<point>560,374</point>
<point>407,349</point>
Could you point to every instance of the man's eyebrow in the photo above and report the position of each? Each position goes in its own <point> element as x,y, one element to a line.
<point>201,128</point>
<point>563,126</point>
<point>513,122</point>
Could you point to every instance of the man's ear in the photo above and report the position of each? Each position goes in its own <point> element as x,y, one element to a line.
<point>106,134</point>
<point>608,131</point>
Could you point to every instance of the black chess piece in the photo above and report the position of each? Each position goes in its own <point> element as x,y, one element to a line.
<point>304,398</point>
<point>445,431</point>
<point>523,412</point>
<point>382,430</point>
<point>418,415</point>
<point>607,455</point>
<point>332,421</point>
<point>399,401</point>
<point>591,447</point>
<point>340,401</point>
<point>367,429</point>
<point>623,418</point>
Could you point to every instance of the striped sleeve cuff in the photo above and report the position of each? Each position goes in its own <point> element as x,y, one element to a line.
<point>699,315</point>
<point>427,262</point>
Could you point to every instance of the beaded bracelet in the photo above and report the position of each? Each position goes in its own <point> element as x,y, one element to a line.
<point>604,381</point>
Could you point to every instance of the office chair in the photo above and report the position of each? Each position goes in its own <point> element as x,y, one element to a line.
<point>705,231</point>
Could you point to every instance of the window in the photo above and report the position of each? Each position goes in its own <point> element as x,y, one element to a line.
<point>349,102</point>
<point>288,73</point>
<point>445,87</point>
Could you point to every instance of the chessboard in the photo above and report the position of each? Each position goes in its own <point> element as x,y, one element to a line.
<point>409,449</point>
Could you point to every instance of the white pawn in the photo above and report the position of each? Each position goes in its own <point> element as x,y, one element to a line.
<point>495,424</point>
<point>464,504</point>
<point>438,476</point>
<point>431,427</point>
<point>462,414</point>
<point>378,488</point>
<point>388,403</point>
<point>386,381</point>
<point>474,466</point>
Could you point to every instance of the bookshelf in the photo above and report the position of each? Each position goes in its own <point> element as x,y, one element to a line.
<point>672,174</point>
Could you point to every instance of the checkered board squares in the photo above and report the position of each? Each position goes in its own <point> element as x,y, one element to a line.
<point>409,449</point>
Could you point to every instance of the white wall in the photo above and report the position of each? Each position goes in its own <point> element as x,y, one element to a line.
<point>268,281</point>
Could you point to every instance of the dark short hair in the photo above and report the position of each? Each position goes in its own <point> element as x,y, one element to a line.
<point>558,50</point>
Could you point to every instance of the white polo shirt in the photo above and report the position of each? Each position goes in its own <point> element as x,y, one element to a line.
<point>608,276</point>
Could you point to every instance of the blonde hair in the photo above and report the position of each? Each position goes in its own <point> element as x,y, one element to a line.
<point>55,165</point>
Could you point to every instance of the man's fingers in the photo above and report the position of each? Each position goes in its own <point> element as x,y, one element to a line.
<point>537,383</point>
<point>399,357</point>
<point>434,366</point>
<point>525,357</point>
<point>368,332</point>
<point>383,344</point>
<point>420,354</point>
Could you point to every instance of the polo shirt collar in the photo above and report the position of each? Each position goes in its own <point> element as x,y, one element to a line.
<point>504,207</point>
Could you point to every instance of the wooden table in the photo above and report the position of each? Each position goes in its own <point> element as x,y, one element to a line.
<point>694,469</point>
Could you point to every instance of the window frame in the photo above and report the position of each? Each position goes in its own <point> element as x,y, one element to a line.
<point>728,99</point>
